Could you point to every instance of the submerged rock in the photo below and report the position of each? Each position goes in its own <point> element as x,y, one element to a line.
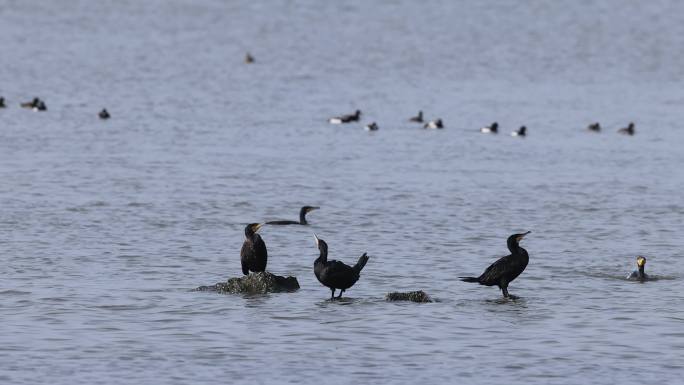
<point>413,296</point>
<point>255,283</point>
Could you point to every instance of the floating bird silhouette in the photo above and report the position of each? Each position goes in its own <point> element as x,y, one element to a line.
<point>522,131</point>
<point>2,102</point>
<point>104,114</point>
<point>249,59</point>
<point>36,105</point>
<point>629,130</point>
<point>346,118</point>
<point>491,129</point>
<point>335,274</point>
<point>639,274</point>
<point>253,254</point>
<point>506,269</point>
<point>418,118</point>
<point>302,217</point>
<point>371,127</point>
<point>596,127</point>
<point>434,124</point>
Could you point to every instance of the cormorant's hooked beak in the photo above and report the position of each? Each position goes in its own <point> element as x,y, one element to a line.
<point>521,236</point>
<point>312,208</point>
<point>641,261</point>
<point>257,227</point>
<point>316,238</point>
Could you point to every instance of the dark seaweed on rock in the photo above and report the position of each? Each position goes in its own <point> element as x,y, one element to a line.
<point>255,283</point>
<point>413,296</point>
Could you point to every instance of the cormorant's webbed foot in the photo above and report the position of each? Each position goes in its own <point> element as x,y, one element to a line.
<point>340,296</point>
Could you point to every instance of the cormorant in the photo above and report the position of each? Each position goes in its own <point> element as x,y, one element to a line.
<point>418,118</point>
<point>346,118</point>
<point>302,217</point>
<point>434,124</point>
<point>2,102</point>
<point>639,274</point>
<point>522,131</point>
<point>629,130</point>
<point>506,269</point>
<point>249,59</point>
<point>596,127</point>
<point>253,254</point>
<point>104,114</point>
<point>371,127</point>
<point>335,274</point>
<point>491,129</point>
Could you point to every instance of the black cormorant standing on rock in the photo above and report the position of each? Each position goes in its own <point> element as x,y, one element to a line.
<point>335,274</point>
<point>506,269</point>
<point>346,118</point>
<point>253,254</point>
<point>629,130</point>
<point>302,217</point>
<point>418,118</point>
<point>639,274</point>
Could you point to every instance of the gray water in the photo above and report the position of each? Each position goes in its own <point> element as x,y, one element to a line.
<point>106,226</point>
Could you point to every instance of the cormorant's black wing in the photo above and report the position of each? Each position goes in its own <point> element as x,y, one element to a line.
<point>496,270</point>
<point>337,274</point>
<point>246,253</point>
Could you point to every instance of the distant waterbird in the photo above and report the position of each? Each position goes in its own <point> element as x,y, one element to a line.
<point>506,269</point>
<point>491,129</point>
<point>36,105</point>
<point>346,118</point>
<point>335,274</point>
<point>629,130</point>
<point>418,118</point>
<point>249,59</point>
<point>434,124</point>
<point>302,217</point>
<point>253,255</point>
<point>522,131</point>
<point>2,102</point>
<point>595,127</point>
<point>104,114</point>
<point>371,127</point>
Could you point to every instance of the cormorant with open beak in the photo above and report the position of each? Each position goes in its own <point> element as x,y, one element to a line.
<point>302,217</point>
<point>506,269</point>
<point>335,274</point>
<point>253,254</point>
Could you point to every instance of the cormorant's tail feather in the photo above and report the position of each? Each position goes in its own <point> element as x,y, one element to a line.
<point>470,279</point>
<point>361,263</point>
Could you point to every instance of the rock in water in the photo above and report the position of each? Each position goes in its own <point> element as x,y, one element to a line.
<point>255,283</point>
<point>413,296</point>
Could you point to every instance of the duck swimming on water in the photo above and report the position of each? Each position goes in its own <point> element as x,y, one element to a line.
<point>522,131</point>
<point>302,217</point>
<point>2,102</point>
<point>335,274</point>
<point>491,129</point>
<point>104,114</point>
<point>506,269</point>
<point>253,255</point>
<point>372,127</point>
<point>595,127</point>
<point>434,124</point>
<point>629,130</point>
<point>346,118</point>
<point>639,274</point>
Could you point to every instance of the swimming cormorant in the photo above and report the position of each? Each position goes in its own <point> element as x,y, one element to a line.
<point>506,269</point>
<point>418,118</point>
<point>522,131</point>
<point>433,124</point>
<point>302,217</point>
<point>253,254</point>
<point>596,127</point>
<point>629,130</point>
<point>491,129</point>
<point>346,118</point>
<point>335,274</point>
<point>639,274</point>
<point>104,114</point>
